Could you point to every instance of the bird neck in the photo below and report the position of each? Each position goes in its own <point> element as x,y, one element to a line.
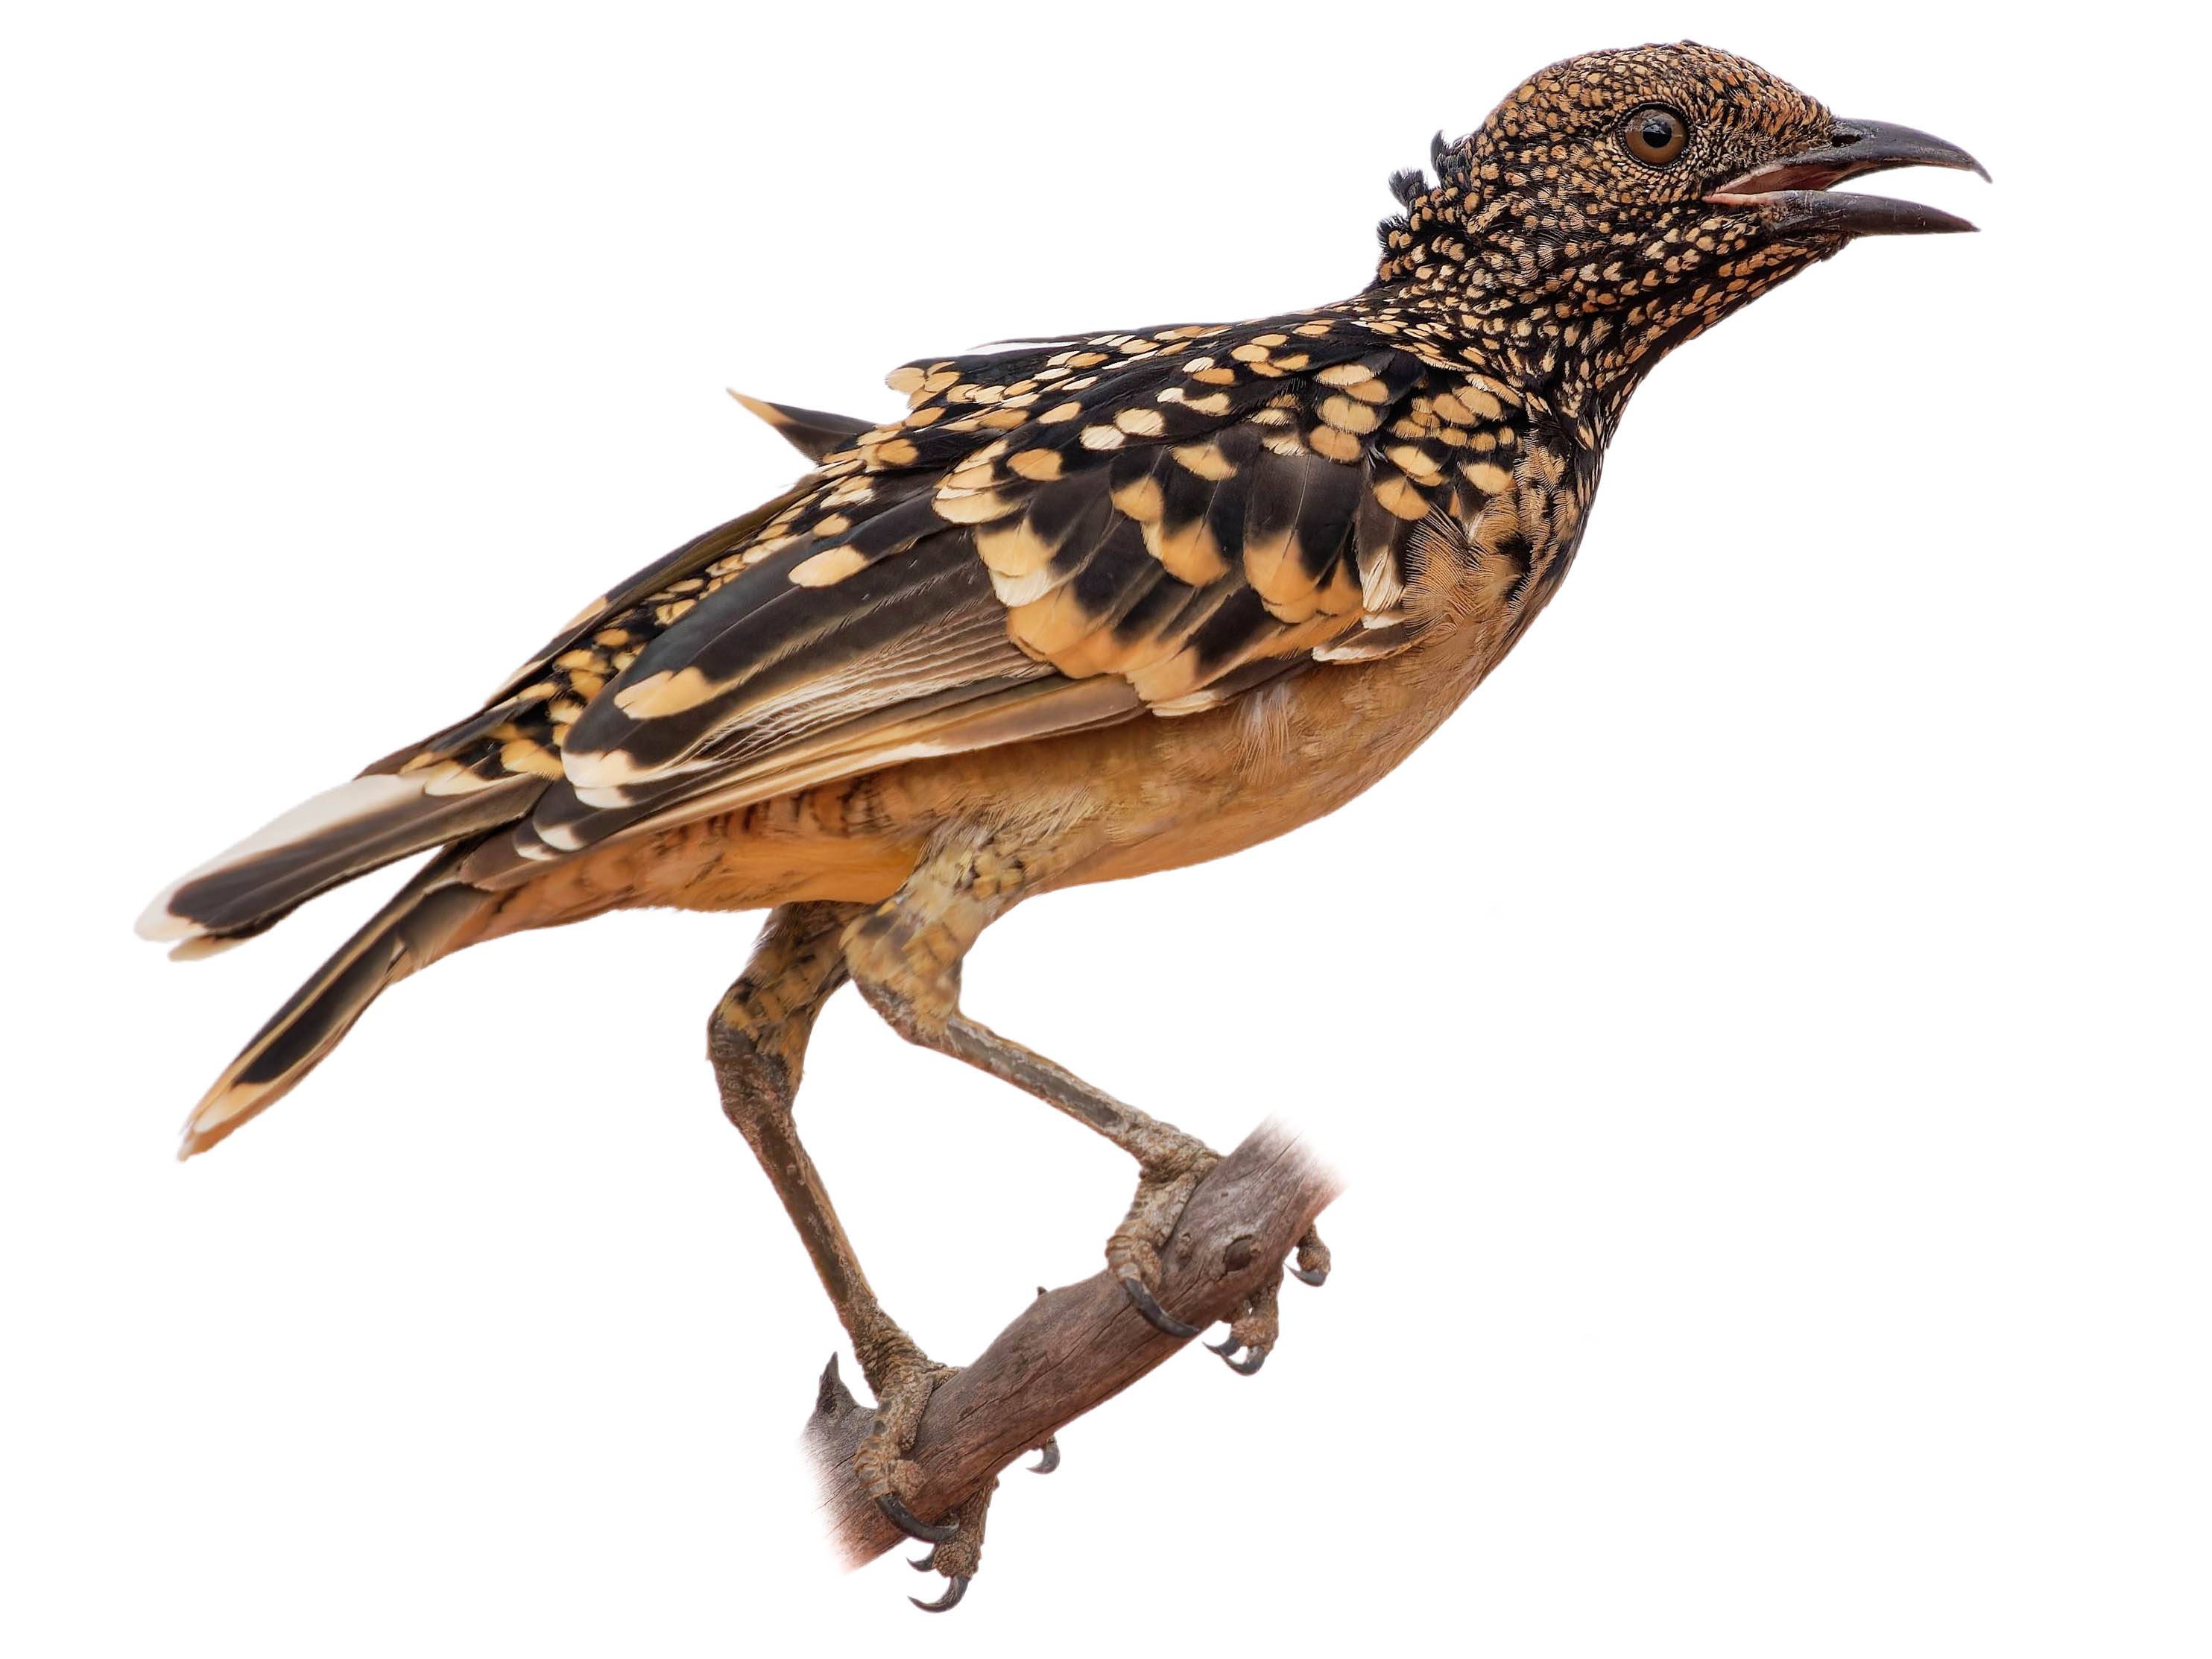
<point>1573,325</point>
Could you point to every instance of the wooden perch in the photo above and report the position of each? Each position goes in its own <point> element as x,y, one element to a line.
<point>1078,1346</point>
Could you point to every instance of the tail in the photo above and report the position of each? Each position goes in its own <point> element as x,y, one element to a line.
<point>380,816</point>
<point>342,833</point>
<point>420,925</point>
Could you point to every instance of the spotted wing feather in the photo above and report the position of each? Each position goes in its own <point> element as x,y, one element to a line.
<point>1050,537</point>
<point>1192,512</point>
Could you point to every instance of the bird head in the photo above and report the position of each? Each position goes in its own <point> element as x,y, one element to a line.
<point>1620,202</point>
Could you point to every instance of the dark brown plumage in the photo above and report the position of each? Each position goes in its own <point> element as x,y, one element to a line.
<point>1090,607</point>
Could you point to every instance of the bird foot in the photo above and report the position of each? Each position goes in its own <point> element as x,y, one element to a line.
<point>903,1381</point>
<point>958,1555</point>
<point>903,1378</point>
<point>1134,1255</point>
<point>1255,1326</point>
<point>1254,1330</point>
<point>1168,1176</point>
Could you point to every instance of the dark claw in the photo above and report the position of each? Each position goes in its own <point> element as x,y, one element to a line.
<point>944,1603</point>
<point>903,1518</point>
<point>1048,1457</point>
<point>924,1562</point>
<point>1317,1277</point>
<point>1244,1367</point>
<point>1160,1317</point>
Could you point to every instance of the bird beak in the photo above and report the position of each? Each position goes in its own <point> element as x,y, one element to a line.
<point>1794,191</point>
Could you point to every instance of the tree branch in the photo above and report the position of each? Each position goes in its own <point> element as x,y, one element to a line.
<point>1078,1346</point>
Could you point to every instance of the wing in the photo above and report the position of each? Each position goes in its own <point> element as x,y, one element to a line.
<point>1051,538</point>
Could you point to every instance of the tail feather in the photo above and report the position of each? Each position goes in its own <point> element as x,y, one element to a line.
<point>340,834</point>
<point>418,926</point>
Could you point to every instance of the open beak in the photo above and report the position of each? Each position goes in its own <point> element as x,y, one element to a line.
<point>1795,188</point>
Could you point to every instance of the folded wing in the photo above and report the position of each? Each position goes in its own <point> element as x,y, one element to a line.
<point>1052,537</point>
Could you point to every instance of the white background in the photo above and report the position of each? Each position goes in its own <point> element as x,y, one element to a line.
<point>1764,1030</point>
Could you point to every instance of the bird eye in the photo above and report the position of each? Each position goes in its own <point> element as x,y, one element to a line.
<point>1655,134</point>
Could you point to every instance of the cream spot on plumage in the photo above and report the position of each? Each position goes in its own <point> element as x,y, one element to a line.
<point>1206,460</point>
<point>976,506</point>
<point>606,770</point>
<point>668,692</point>
<point>824,569</point>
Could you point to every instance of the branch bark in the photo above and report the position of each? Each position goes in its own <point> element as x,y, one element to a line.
<point>1076,1347</point>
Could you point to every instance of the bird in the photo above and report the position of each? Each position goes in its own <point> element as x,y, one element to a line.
<point>1090,607</point>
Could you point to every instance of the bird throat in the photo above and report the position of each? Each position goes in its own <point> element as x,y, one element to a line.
<point>1572,311</point>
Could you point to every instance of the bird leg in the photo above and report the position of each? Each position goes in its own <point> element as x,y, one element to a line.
<point>756,1041</point>
<point>905,956</point>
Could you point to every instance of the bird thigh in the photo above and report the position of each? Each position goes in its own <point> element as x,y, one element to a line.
<point>905,955</point>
